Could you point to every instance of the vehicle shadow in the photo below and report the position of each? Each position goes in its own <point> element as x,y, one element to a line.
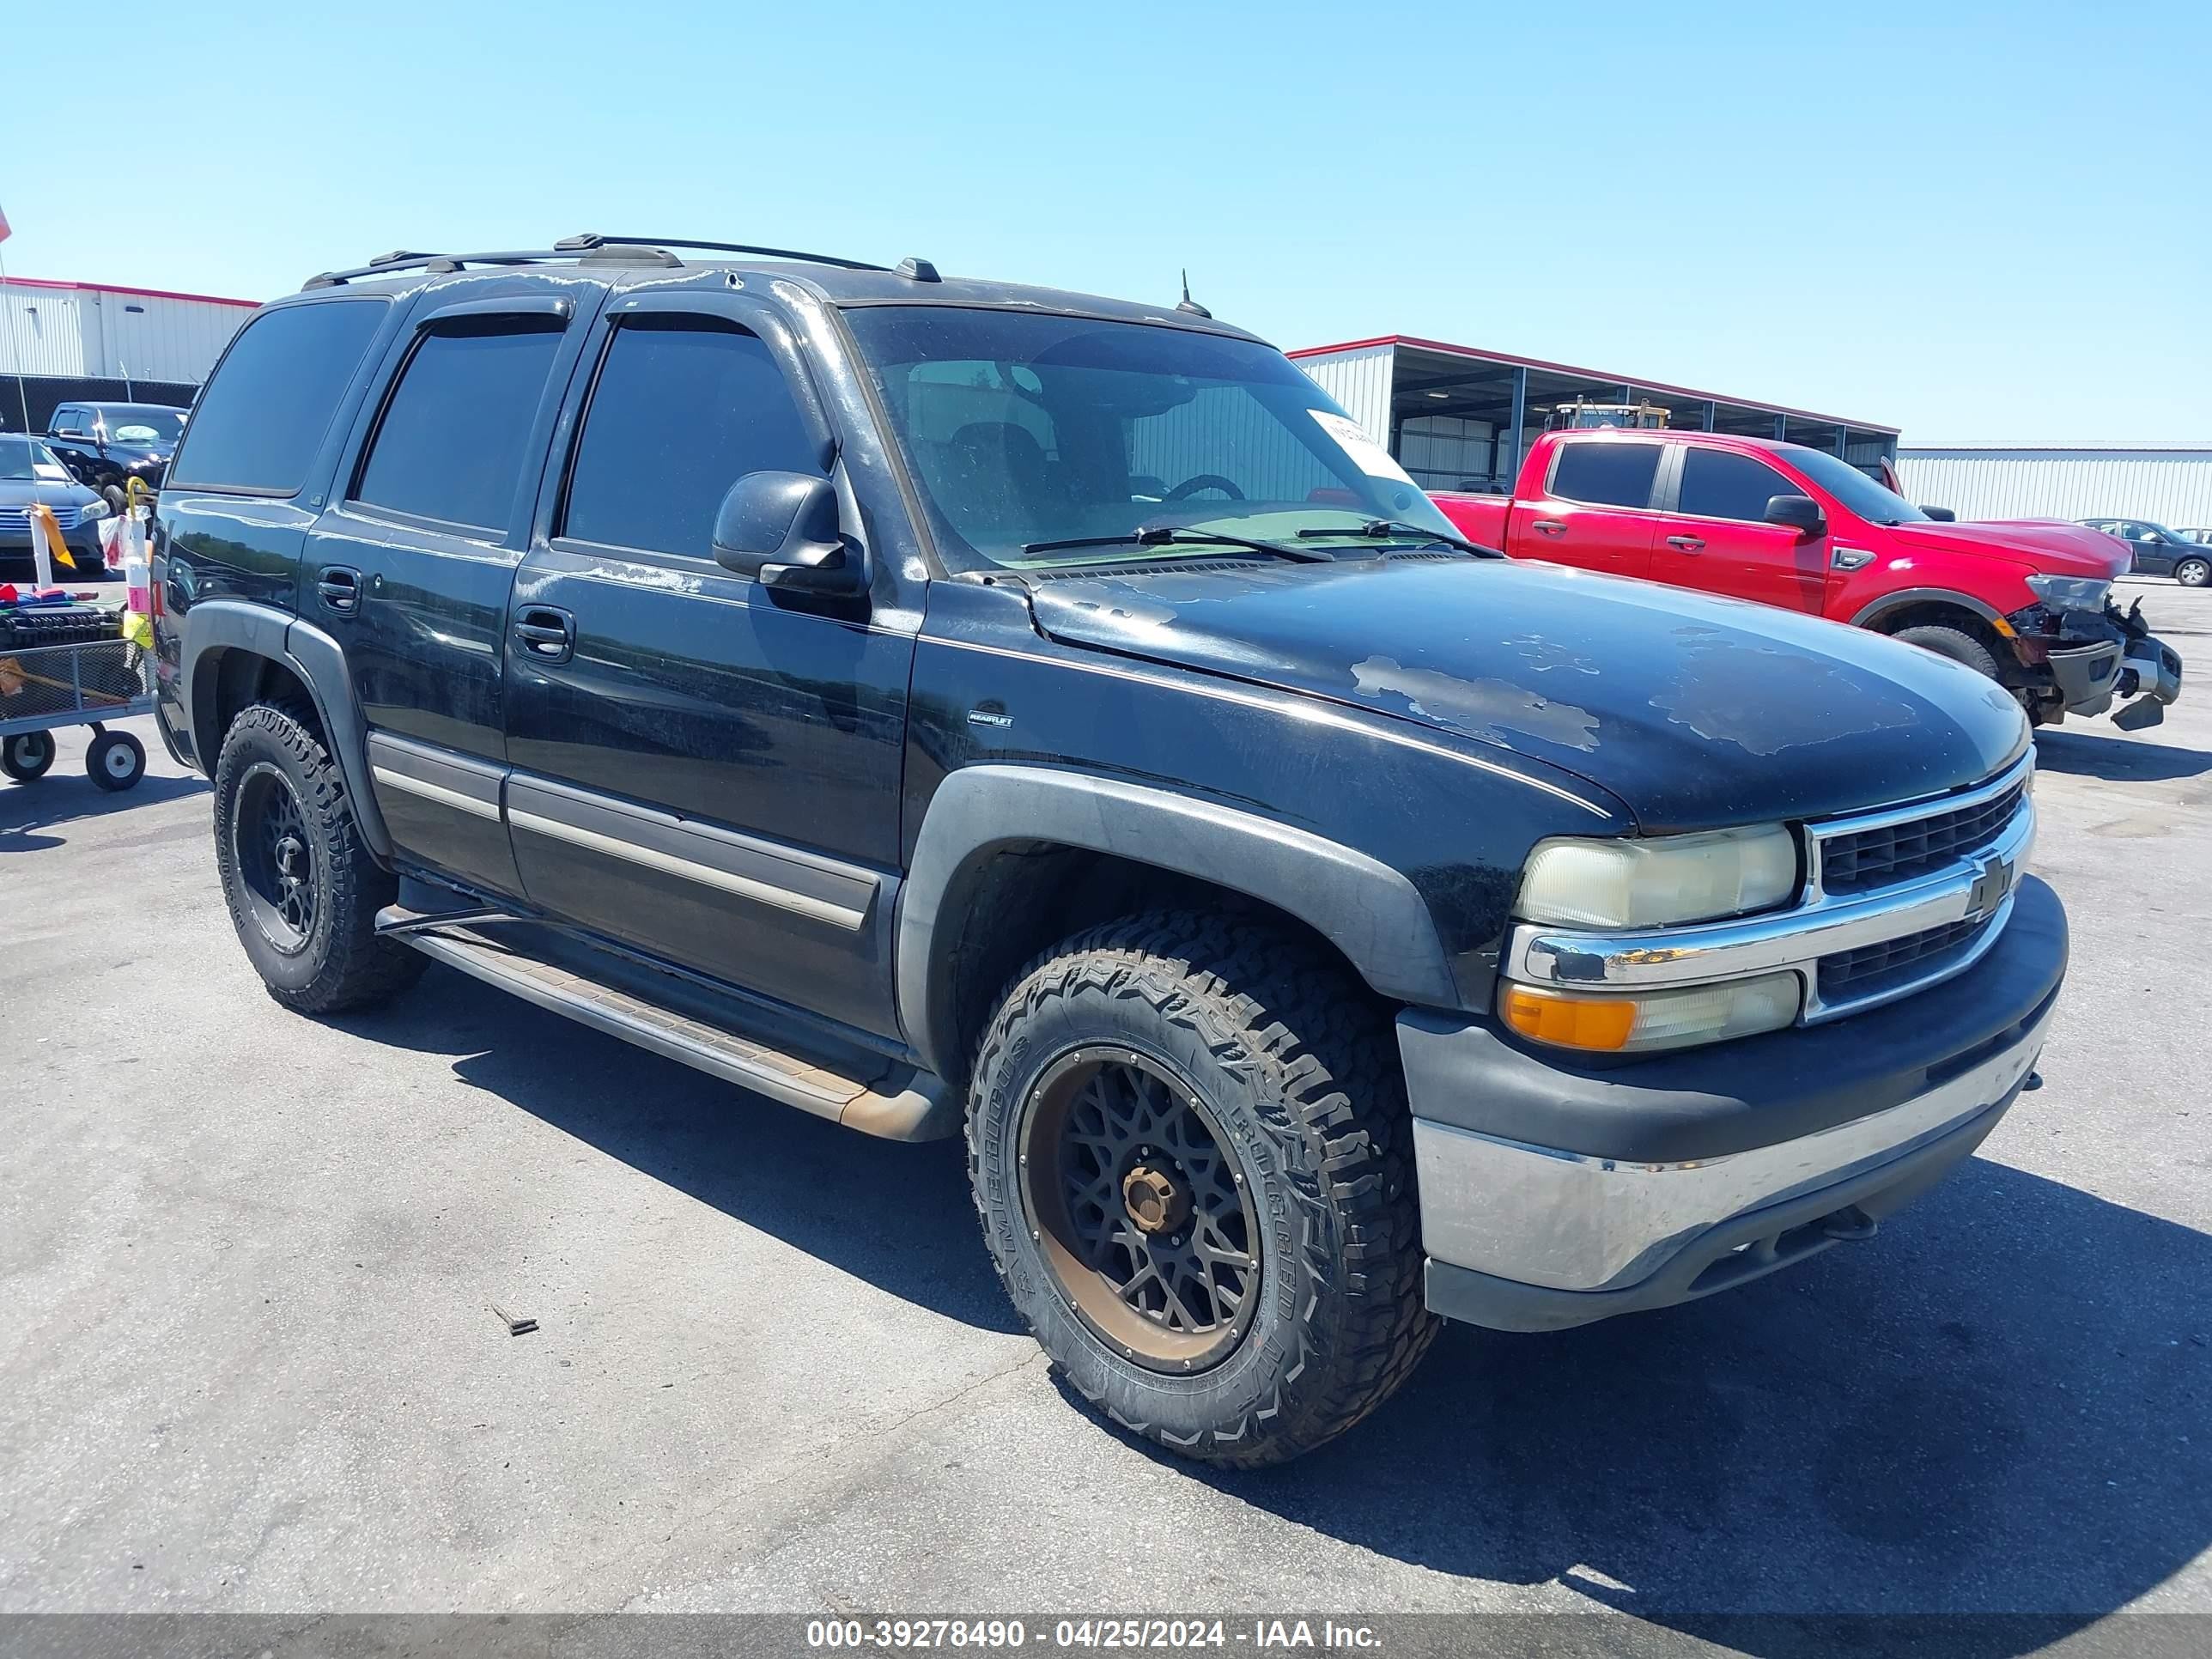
<point>59,798</point>
<point>2083,754</point>
<point>898,1215</point>
<point>1997,1407</point>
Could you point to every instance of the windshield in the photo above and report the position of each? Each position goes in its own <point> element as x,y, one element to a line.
<point>24,461</point>
<point>1857,492</point>
<point>1023,428</point>
<point>139,423</point>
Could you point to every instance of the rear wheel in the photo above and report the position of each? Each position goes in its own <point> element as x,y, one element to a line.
<point>302,890</point>
<point>1190,1148</point>
<point>2194,572</point>
<point>116,500</point>
<point>25,757</point>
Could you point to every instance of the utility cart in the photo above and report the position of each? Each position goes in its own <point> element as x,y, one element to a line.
<point>78,681</point>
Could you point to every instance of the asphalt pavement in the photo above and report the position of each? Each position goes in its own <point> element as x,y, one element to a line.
<point>248,1359</point>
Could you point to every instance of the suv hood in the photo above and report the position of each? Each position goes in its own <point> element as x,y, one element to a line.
<point>1694,712</point>
<point>2052,546</point>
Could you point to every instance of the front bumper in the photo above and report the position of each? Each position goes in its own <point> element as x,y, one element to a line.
<point>1554,1192</point>
<point>2095,660</point>
<point>82,541</point>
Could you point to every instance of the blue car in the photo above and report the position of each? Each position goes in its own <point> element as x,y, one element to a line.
<point>2159,551</point>
<point>32,475</point>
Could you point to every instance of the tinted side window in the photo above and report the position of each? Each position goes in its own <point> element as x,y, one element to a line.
<point>1605,474</point>
<point>684,407</point>
<point>449,445</point>
<point>258,422</point>
<point>1718,485</point>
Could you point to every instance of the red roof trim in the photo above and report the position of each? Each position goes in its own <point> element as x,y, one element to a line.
<point>116,288</point>
<point>1519,361</point>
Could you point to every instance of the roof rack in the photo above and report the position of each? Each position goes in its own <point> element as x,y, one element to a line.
<point>589,248</point>
<point>590,240</point>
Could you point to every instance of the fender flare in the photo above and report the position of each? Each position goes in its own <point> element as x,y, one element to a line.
<point>1877,608</point>
<point>313,658</point>
<point>1371,912</point>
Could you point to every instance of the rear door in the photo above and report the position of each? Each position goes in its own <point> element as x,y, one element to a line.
<point>1595,510</point>
<point>704,769</point>
<point>410,569</point>
<point>1714,535</point>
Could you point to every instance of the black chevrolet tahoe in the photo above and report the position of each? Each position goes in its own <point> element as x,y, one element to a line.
<point>952,708</point>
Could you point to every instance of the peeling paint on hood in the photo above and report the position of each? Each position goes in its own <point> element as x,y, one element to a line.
<point>1694,711</point>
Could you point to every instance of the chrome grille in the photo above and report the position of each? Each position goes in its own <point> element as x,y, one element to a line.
<point>18,519</point>
<point>1853,973</point>
<point>1856,860</point>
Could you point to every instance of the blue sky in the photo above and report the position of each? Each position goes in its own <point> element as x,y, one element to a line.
<point>1970,221</point>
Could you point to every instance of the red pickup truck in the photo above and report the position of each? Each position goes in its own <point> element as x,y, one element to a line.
<point>2028,604</point>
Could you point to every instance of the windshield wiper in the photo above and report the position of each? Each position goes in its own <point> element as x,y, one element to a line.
<point>1403,529</point>
<point>1168,535</point>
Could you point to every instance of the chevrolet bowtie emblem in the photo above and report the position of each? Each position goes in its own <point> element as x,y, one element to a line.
<point>1993,876</point>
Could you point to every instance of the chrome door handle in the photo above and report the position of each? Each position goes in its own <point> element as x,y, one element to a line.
<point>547,634</point>
<point>339,588</point>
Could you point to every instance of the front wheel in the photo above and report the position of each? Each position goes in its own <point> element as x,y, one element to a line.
<point>1191,1151</point>
<point>2194,572</point>
<point>115,760</point>
<point>302,891</point>
<point>1952,642</point>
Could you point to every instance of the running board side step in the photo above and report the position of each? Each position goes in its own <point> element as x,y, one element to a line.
<point>898,1102</point>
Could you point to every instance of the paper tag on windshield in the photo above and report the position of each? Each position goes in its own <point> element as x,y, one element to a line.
<point>1367,455</point>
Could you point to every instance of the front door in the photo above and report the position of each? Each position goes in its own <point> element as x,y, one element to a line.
<point>2154,555</point>
<point>702,770</point>
<point>410,568</point>
<point>1595,510</point>
<point>1717,536</point>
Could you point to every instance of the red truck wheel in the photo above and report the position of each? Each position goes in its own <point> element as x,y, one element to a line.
<point>1952,642</point>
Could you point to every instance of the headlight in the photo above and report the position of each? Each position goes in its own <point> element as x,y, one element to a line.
<point>2070,593</point>
<point>95,508</point>
<point>1657,883</point>
<point>1651,1020</point>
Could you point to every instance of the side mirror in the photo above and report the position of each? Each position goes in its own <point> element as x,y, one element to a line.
<point>1941,514</point>
<point>781,528</point>
<point>1799,513</point>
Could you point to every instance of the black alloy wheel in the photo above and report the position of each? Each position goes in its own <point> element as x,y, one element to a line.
<point>275,859</point>
<point>1144,1220</point>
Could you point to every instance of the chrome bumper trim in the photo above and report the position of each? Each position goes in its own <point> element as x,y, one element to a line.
<point>1978,886</point>
<point>1566,1221</point>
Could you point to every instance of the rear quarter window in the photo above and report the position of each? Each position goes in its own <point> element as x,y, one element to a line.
<point>259,424</point>
<point>1606,473</point>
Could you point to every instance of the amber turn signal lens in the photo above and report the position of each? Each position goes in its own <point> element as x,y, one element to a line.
<point>1570,1022</point>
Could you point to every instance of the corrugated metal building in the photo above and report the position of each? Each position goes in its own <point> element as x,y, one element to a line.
<point>1460,418</point>
<point>2169,484</point>
<point>71,340</point>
